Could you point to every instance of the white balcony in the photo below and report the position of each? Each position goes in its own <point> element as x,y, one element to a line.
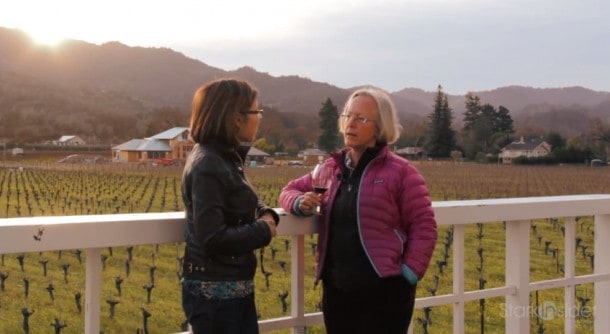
<point>96,232</point>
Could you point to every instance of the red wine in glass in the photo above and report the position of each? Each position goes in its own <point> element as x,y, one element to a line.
<point>321,178</point>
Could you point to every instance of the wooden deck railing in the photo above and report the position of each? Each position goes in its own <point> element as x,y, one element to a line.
<point>94,233</point>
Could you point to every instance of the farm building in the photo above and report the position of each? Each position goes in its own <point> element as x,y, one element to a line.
<point>410,152</point>
<point>140,150</point>
<point>530,149</point>
<point>168,147</point>
<point>313,156</point>
<point>69,141</point>
<point>259,156</point>
<point>170,144</point>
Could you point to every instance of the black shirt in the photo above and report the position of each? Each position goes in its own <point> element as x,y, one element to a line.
<point>347,265</point>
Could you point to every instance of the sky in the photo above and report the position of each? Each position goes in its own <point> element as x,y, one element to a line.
<point>462,45</point>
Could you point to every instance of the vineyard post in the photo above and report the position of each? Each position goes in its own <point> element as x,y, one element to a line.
<point>602,266</point>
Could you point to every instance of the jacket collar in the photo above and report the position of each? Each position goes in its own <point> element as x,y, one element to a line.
<point>339,156</point>
<point>231,152</point>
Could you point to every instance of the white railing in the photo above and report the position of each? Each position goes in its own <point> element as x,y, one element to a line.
<point>96,232</point>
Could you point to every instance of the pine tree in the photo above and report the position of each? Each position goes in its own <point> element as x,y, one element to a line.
<point>485,128</point>
<point>504,123</point>
<point>484,125</point>
<point>442,137</point>
<point>329,139</point>
<point>473,110</point>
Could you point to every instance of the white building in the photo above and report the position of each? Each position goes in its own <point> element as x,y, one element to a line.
<point>70,141</point>
<point>521,148</point>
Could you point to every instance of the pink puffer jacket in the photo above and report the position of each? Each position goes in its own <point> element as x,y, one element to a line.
<point>395,217</point>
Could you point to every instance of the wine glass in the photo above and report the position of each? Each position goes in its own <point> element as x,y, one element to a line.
<point>321,178</point>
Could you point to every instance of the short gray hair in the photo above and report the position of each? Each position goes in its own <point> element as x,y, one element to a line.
<point>388,125</point>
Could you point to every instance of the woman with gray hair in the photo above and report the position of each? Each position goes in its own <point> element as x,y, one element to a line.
<point>377,229</point>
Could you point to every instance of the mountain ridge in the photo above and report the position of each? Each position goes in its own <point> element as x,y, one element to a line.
<point>145,79</point>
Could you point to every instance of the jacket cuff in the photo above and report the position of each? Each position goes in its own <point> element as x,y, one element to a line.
<point>409,275</point>
<point>276,217</point>
<point>295,207</point>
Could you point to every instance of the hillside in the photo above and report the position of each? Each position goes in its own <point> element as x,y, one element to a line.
<point>79,88</point>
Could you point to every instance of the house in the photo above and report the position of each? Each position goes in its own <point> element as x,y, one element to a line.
<point>69,141</point>
<point>531,149</point>
<point>170,145</point>
<point>178,140</point>
<point>256,156</point>
<point>313,156</point>
<point>410,152</point>
<point>140,150</point>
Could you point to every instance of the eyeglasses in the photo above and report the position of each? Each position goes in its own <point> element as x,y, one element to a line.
<point>358,118</point>
<point>253,112</point>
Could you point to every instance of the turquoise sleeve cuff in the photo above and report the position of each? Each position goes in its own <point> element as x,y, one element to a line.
<point>295,207</point>
<point>409,275</point>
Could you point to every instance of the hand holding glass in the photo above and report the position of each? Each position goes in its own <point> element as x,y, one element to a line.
<point>321,179</point>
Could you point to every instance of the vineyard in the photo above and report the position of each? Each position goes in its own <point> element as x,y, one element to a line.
<point>44,291</point>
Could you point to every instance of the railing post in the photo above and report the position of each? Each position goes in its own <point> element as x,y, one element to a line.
<point>93,290</point>
<point>602,265</point>
<point>297,295</point>
<point>569,272</point>
<point>458,277</point>
<point>518,275</point>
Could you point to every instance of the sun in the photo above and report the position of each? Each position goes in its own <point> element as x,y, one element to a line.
<point>46,36</point>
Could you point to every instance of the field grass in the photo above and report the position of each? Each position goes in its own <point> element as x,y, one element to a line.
<point>47,188</point>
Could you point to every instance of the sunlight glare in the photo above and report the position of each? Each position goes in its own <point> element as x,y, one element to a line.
<point>46,37</point>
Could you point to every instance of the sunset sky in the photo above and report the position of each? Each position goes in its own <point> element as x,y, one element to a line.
<point>460,44</point>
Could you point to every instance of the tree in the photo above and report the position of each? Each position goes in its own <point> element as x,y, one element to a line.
<point>329,139</point>
<point>441,140</point>
<point>503,121</point>
<point>600,130</point>
<point>300,137</point>
<point>473,110</point>
<point>263,145</point>
<point>166,118</point>
<point>485,128</point>
<point>556,141</point>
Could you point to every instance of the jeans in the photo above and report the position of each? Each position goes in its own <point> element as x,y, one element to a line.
<point>386,307</point>
<point>220,316</point>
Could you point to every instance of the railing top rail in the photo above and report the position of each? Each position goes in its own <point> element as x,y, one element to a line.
<point>519,208</point>
<point>31,234</point>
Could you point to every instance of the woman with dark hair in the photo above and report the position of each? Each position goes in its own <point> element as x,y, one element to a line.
<point>225,220</point>
<point>376,229</point>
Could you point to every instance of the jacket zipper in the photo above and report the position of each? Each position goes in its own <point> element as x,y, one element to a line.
<point>358,215</point>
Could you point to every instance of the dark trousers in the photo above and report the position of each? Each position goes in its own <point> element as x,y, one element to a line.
<point>220,316</point>
<point>386,307</point>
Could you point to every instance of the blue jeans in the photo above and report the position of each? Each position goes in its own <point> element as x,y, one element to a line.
<point>220,316</point>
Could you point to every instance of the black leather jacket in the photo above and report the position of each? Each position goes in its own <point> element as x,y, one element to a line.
<point>222,208</point>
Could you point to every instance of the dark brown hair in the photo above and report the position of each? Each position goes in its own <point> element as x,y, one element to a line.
<point>215,106</point>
